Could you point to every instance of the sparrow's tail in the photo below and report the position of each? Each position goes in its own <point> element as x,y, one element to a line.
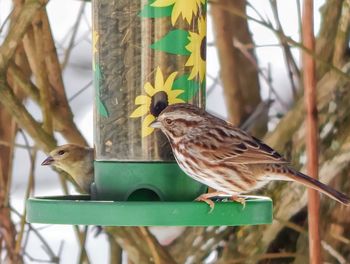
<point>319,186</point>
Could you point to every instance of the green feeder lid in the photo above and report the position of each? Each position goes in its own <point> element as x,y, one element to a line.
<point>80,210</point>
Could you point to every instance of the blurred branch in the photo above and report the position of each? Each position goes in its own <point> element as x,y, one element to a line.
<point>115,252</point>
<point>29,190</point>
<point>289,40</point>
<point>330,14</point>
<point>281,255</point>
<point>46,246</point>
<point>64,116</point>
<point>201,240</point>
<point>41,75</point>
<point>83,257</point>
<point>239,77</point>
<point>131,239</point>
<point>342,38</point>
<point>312,134</point>
<point>266,78</point>
<point>18,77</point>
<point>23,117</point>
<point>18,30</point>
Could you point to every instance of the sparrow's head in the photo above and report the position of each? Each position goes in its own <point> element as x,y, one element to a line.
<point>178,120</point>
<point>66,155</point>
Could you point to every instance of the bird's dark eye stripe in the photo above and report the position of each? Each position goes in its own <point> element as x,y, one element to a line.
<point>187,122</point>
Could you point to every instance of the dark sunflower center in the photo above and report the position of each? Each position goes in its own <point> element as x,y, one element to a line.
<point>158,102</point>
<point>204,48</point>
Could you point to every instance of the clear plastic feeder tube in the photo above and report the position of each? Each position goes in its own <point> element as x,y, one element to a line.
<point>147,54</point>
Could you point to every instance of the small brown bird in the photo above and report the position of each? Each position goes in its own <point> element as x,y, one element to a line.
<point>225,157</point>
<point>77,161</point>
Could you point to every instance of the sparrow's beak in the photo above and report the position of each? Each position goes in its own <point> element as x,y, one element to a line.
<point>155,124</point>
<point>48,161</point>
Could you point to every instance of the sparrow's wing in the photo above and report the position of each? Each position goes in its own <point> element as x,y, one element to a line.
<point>237,147</point>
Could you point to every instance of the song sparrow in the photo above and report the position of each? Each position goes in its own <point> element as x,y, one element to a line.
<point>225,157</point>
<point>77,161</point>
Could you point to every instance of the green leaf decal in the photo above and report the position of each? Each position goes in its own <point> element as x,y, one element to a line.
<point>174,42</point>
<point>191,87</point>
<point>155,12</point>
<point>101,108</point>
<point>97,78</point>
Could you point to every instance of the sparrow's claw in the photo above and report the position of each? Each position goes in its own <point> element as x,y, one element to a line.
<point>205,197</point>
<point>238,199</point>
<point>207,201</point>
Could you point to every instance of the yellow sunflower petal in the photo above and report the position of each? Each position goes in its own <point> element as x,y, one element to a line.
<point>140,111</point>
<point>149,89</point>
<point>94,41</point>
<point>177,101</point>
<point>190,61</point>
<point>169,82</point>
<point>184,7</point>
<point>163,3</point>
<point>159,82</point>
<point>146,129</point>
<point>194,73</point>
<point>202,71</point>
<point>172,96</point>
<point>176,13</point>
<point>142,99</point>
<point>202,27</point>
<point>175,93</point>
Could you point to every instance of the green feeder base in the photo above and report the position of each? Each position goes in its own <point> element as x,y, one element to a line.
<point>80,210</point>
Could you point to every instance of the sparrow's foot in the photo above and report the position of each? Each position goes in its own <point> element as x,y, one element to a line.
<point>238,199</point>
<point>205,197</point>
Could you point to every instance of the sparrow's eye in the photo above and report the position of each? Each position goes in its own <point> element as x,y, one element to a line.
<point>61,152</point>
<point>168,121</point>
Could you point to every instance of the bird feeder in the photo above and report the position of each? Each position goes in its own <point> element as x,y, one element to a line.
<point>147,54</point>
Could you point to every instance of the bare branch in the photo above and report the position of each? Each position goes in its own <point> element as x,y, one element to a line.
<point>18,30</point>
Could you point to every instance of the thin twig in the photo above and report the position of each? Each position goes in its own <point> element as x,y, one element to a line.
<point>83,253</point>
<point>237,44</point>
<point>341,238</point>
<point>279,255</point>
<point>80,91</point>
<point>287,39</point>
<point>7,19</point>
<point>292,67</point>
<point>211,88</point>
<point>6,144</point>
<point>30,188</point>
<point>334,253</point>
<point>74,34</point>
<point>39,236</point>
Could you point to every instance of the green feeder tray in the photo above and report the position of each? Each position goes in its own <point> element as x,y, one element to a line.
<point>80,210</point>
<point>145,194</point>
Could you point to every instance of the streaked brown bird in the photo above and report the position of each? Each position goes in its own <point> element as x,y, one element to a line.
<point>77,161</point>
<point>224,157</point>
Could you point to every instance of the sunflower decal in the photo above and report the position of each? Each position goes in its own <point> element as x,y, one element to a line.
<point>94,46</point>
<point>197,48</point>
<point>155,100</point>
<point>186,8</point>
